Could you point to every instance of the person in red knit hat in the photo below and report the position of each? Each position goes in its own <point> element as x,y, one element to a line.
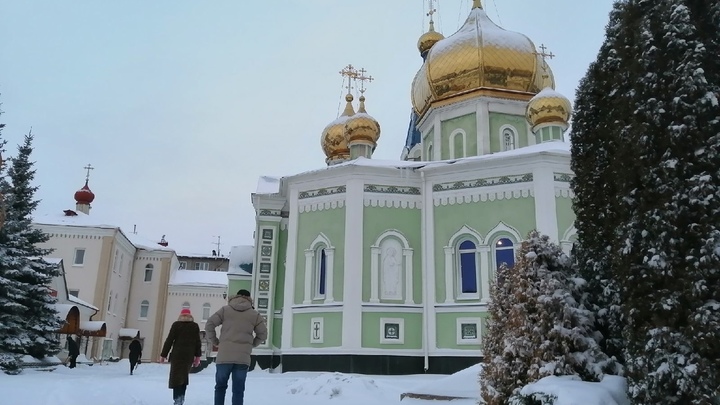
<point>184,340</point>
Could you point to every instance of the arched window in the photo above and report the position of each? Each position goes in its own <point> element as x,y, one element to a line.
<point>320,272</point>
<point>148,273</point>
<point>186,305</point>
<point>504,253</point>
<point>391,269</point>
<point>206,311</point>
<point>467,267</point>
<point>144,309</point>
<point>458,144</point>
<point>429,152</point>
<point>508,139</point>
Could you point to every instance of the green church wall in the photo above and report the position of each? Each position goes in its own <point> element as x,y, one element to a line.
<point>446,334</point>
<point>498,120</point>
<point>279,292</point>
<point>565,214</point>
<point>412,332</point>
<point>407,221</point>
<point>332,329</point>
<point>482,216</point>
<point>331,223</point>
<point>467,123</point>
<point>235,285</point>
<point>277,332</point>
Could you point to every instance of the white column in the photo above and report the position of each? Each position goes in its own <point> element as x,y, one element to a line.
<point>353,264</point>
<point>329,270</point>
<point>483,128</point>
<point>309,256</point>
<point>408,255</point>
<point>290,272</point>
<point>437,142</point>
<point>375,258</point>
<point>484,264</point>
<point>449,296</point>
<point>545,209</point>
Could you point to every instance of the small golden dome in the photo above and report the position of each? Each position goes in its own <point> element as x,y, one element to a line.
<point>428,39</point>
<point>480,55</point>
<point>548,106</point>
<point>361,127</point>
<point>333,140</point>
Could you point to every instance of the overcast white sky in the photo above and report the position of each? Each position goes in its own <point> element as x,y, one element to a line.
<point>181,105</point>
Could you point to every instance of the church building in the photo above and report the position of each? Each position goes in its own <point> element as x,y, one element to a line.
<point>385,267</point>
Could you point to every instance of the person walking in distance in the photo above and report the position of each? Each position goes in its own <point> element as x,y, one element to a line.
<point>242,329</point>
<point>73,351</point>
<point>184,340</point>
<point>135,354</point>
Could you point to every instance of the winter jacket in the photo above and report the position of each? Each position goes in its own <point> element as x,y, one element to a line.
<point>242,329</point>
<point>73,349</point>
<point>135,349</point>
<point>184,339</point>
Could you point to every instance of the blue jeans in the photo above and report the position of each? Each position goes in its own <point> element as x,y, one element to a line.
<point>222,374</point>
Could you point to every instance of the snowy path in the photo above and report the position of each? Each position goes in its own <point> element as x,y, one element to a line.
<point>112,385</point>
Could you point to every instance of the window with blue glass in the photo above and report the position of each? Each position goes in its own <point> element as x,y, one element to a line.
<point>467,255</point>
<point>504,253</point>
<point>320,272</point>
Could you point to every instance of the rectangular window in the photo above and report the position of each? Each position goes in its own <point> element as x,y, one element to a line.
<point>206,313</point>
<point>74,293</point>
<point>183,265</point>
<point>79,258</point>
<point>144,308</point>
<point>202,265</point>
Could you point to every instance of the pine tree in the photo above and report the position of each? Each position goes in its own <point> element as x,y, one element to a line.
<point>669,267</point>
<point>600,107</point>
<point>537,327</point>
<point>22,262</point>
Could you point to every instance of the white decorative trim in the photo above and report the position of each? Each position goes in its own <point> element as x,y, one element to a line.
<point>545,206</point>
<point>474,195</point>
<point>451,140</point>
<point>400,332</point>
<point>318,308</point>
<point>500,228</point>
<point>353,265</point>
<point>284,224</point>
<point>480,308</point>
<point>569,233</point>
<point>428,150</point>
<point>563,190</point>
<point>466,230</point>
<point>363,351</point>
<point>478,332</point>
<point>399,308</point>
<point>452,267</point>
<point>322,203</point>
<point>317,330</point>
<point>392,200</point>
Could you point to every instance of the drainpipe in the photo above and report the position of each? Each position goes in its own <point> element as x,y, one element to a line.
<point>424,267</point>
<point>87,339</point>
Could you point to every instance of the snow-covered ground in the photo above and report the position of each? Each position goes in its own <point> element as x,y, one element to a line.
<point>112,384</point>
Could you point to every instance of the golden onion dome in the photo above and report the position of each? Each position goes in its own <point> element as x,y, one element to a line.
<point>547,107</point>
<point>481,56</point>
<point>428,39</point>
<point>361,127</point>
<point>333,136</point>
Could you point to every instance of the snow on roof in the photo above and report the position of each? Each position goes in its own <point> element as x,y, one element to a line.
<point>77,300</point>
<point>200,255</point>
<point>63,309</point>
<point>129,333</point>
<point>268,185</point>
<point>199,278</point>
<point>241,256</point>
<point>145,244</point>
<point>91,326</point>
<point>53,260</point>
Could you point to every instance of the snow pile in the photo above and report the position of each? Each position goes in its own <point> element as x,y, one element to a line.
<point>463,384</point>
<point>241,256</point>
<point>333,385</point>
<point>203,278</point>
<point>569,390</point>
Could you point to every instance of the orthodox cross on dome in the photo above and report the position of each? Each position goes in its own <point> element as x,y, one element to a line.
<point>88,168</point>
<point>545,56</point>
<point>362,79</point>
<point>431,7</point>
<point>351,74</point>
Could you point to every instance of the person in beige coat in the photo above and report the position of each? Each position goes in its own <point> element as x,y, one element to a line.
<point>242,329</point>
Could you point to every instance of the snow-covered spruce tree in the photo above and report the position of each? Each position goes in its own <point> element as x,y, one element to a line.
<point>537,327</point>
<point>669,267</point>
<point>10,312</point>
<point>23,260</point>
<point>600,105</point>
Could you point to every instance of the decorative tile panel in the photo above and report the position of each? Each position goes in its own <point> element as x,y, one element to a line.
<point>492,181</point>
<point>563,177</point>
<point>270,213</point>
<point>376,188</point>
<point>265,267</point>
<point>264,285</point>
<point>321,192</point>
